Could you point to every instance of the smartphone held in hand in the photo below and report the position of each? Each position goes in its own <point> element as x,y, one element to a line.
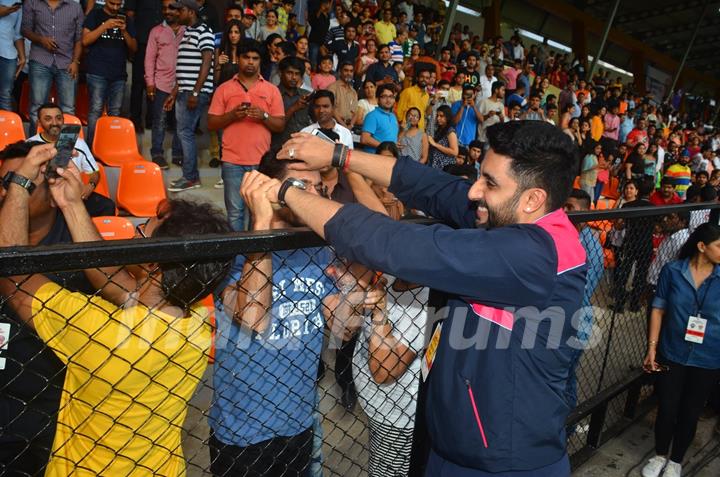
<point>65,146</point>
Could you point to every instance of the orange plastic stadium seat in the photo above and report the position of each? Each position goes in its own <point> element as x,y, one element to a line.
<point>69,119</point>
<point>140,188</point>
<point>115,143</point>
<point>610,189</point>
<point>114,228</point>
<point>11,128</point>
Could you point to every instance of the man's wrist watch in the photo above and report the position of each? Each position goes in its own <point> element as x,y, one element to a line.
<point>287,184</point>
<point>13,178</point>
<point>265,116</point>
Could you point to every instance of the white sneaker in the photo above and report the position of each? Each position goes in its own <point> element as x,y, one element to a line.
<point>654,466</point>
<point>219,184</point>
<point>672,469</point>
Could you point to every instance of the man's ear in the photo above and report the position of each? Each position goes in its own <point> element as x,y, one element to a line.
<point>534,199</point>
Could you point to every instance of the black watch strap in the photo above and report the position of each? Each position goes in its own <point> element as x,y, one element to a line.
<point>288,183</point>
<point>13,178</point>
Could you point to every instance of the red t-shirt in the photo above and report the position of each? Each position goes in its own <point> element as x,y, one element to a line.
<point>656,198</point>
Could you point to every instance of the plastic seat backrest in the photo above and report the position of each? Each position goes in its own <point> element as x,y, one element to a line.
<point>11,128</point>
<point>140,188</point>
<point>102,187</point>
<point>115,142</point>
<point>114,228</point>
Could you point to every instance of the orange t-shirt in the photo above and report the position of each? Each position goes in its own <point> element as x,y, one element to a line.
<point>244,142</point>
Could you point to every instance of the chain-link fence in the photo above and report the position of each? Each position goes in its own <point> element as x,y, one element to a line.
<point>300,365</point>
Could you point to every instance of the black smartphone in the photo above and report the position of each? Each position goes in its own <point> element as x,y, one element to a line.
<point>246,105</point>
<point>120,16</point>
<point>65,146</point>
<point>17,4</point>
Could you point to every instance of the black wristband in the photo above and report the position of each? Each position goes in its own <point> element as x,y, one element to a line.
<point>288,183</point>
<point>337,155</point>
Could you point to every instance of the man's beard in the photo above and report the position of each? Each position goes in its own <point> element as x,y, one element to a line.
<point>503,214</point>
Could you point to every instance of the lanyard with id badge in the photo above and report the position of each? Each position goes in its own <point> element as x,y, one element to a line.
<point>697,325</point>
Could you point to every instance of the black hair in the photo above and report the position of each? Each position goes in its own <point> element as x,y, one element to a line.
<point>292,62</point>
<point>496,86</point>
<point>324,58</point>
<point>708,194</point>
<point>248,45</point>
<point>382,88</point>
<point>475,143</point>
<point>19,149</point>
<point>447,112</point>
<point>345,63</point>
<point>468,86</point>
<point>645,186</point>
<point>288,48</point>
<point>705,233</point>
<point>388,146</point>
<point>225,45</point>
<point>702,173</point>
<point>49,105</point>
<point>461,170</point>
<point>185,283</point>
<point>667,181</point>
<point>413,108</point>
<point>323,93</point>
<point>273,167</point>
<point>542,156</point>
<point>443,82</point>
<point>581,195</point>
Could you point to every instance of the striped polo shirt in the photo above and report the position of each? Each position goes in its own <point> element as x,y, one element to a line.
<point>197,38</point>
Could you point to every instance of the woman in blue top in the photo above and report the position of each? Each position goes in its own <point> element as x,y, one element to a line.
<point>684,345</point>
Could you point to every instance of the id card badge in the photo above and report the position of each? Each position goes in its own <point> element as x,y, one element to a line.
<point>429,357</point>
<point>695,332</point>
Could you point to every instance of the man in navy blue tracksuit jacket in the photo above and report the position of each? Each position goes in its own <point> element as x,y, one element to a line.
<point>496,399</point>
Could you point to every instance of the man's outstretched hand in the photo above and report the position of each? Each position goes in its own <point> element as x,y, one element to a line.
<point>315,153</point>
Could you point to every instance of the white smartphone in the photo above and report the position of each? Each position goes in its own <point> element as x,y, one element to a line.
<point>322,136</point>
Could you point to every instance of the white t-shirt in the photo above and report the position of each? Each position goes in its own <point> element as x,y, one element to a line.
<point>84,160</point>
<point>486,86</point>
<point>345,135</point>
<point>394,403</point>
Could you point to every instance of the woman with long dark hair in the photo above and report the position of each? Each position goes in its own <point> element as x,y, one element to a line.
<point>684,346</point>
<point>226,65</point>
<point>444,145</point>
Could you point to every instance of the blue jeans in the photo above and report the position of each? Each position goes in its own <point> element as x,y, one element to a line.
<point>314,54</point>
<point>7,81</point>
<point>187,120</point>
<point>41,79</point>
<point>102,92</point>
<point>232,176</point>
<point>159,126</point>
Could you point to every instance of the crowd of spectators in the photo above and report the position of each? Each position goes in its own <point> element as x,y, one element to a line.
<point>367,74</point>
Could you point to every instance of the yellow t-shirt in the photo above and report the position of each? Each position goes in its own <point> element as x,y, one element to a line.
<point>385,32</point>
<point>130,375</point>
<point>413,97</point>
